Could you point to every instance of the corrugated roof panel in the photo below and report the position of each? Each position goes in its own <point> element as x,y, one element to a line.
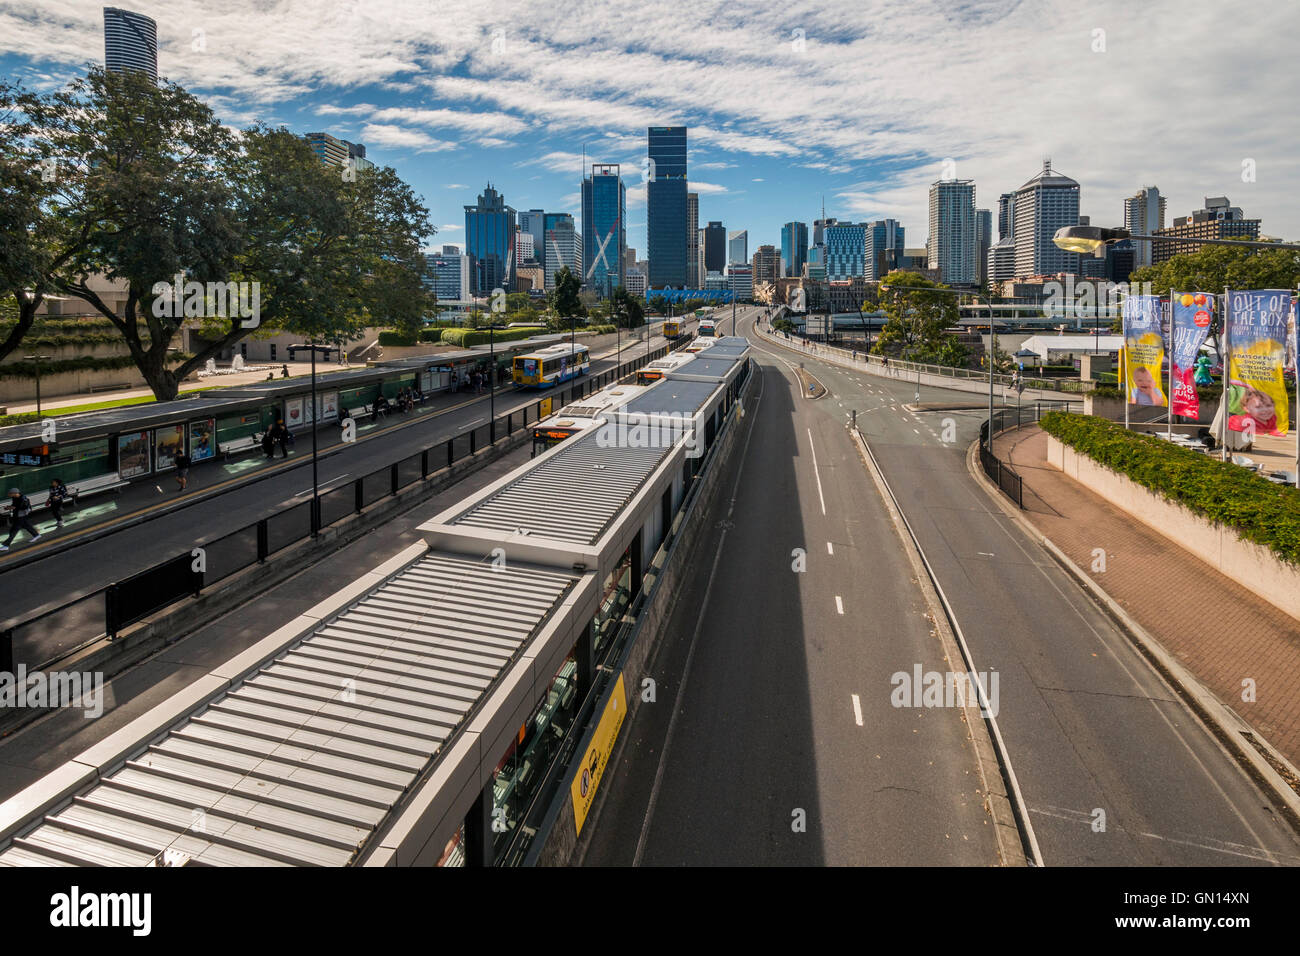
<point>301,761</point>
<point>571,496</point>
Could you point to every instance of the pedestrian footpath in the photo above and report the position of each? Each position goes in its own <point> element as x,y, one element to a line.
<point>1223,633</point>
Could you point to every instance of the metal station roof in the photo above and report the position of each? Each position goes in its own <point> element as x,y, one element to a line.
<point>672,397</point>
<point>571,496</point>
<point>300,762</point>
<point>714,368</point>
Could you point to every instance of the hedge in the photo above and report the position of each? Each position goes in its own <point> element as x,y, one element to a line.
<point>1227,494</point>
<point>430,335</point>
<point>395,339</point>
<point>465,338</point>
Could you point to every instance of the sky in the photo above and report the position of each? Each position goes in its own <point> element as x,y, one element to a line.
<point>859,104</point>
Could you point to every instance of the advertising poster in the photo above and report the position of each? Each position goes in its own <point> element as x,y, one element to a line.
<point>1193,312</point>
<point>203,443</point>
<point>1144,350</point>
<point>293,412</point>
<point>329,406</point>
<point>168,443</point>
<point>1257,393</point>
<point>133,454</point>
<point>592,767</point>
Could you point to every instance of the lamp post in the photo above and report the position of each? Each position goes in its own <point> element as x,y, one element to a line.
<point>37,359</point>
<point>315,487</point>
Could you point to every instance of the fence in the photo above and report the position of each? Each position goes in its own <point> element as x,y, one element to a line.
<point>53,633</point>
<point>1000,472</point>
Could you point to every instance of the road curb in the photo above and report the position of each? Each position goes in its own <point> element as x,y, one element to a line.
<point>1252,752</point>
<point>997,801</point>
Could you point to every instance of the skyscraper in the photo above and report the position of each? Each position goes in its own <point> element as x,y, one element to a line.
<point>766,265</point>
<point>130,42</point>
<point>533,222</point>
<point>1144,213</point>
<point>885,248</point>
<point>845,250</point>
<point>693,241</point>
<point>738,247</point>
<point>952,231</point>
<point>604,228</point>
<point>490,239</point>
<point>983,242</point>
<point>1006,215</point>
<point>666,225</point>
<point>1043,205</point>
<point>715,247</point>
<point>339,152</point>
<point>563,246</point>
<point>794,248</point>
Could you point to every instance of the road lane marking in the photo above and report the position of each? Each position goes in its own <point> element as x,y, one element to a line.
<point>857,710</point>
<point>839,604</point>
<point>829,549</point>
<point>816,471</point>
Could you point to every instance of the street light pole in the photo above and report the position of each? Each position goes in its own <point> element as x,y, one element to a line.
<point>37,360</point>
<point>315,487</point>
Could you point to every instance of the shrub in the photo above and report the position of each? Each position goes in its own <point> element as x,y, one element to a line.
<point>465,338</point>
<point>395,339</point>
<point>1259,510</point>
<point>431,335</point>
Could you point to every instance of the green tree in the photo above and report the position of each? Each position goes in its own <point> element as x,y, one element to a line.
<point>1214,268</point>
<point>628,310</point>
<point>916,316</point>
<point>565,299</point>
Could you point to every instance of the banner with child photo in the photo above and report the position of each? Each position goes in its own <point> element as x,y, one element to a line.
<point>1256,329</point>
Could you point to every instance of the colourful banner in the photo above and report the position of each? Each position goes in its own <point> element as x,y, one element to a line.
<point>587,779</point>
<point>1144,350</point>
<point>1257,394</point>
<point>1192,314</point>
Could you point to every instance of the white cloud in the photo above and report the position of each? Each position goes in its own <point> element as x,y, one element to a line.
<point>399,137</point>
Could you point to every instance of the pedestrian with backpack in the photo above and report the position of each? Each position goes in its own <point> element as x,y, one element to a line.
<point>58,495</point>
<point>19,517</point>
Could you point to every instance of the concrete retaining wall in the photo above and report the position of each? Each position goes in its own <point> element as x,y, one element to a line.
<point>1251,565</point>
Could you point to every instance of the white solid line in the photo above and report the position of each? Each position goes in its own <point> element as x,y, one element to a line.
<point>829,549</point>
<point>857,710</point>
<point>839,605</point>
<point>816,472</point>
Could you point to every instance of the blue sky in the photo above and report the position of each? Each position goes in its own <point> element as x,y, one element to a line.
<point>862,102</point>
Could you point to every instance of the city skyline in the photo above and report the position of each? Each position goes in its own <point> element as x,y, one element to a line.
<point>450,107</point>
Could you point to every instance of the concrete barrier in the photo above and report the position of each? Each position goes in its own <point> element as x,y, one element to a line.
<point>1251,565</point>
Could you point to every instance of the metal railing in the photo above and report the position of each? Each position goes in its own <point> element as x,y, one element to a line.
<point>106,611</point>
<point>1000,472</point>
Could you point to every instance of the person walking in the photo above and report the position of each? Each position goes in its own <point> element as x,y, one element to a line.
<point>58,495</point>
<point>182,469</point>
<point>282,438</point>
<point>20,510</point>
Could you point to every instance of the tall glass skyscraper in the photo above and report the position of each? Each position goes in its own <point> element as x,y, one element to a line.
<point>604,228</point>
<point>130,42</point>
<point>952,242</point>
<point>490,239</point>
<point>563,246</point>
<point>1041,206</point>
<point>794,248</point>
<point>885,248</point>
<point>666,234</point>
<point>846,250</point>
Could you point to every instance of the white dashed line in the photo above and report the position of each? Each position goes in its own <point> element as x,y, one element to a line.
<point>829,549</point>
<point>839,604</point>
<point>857,710</point>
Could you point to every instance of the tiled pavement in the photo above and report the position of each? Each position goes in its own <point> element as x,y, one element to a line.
<point>1222,632</point>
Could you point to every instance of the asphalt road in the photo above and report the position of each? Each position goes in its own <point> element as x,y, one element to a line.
<point>773,696</point>
<point>1095,735</point>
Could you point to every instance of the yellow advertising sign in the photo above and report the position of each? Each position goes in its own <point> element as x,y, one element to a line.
<point>592,768</point>
<point>546,408</point>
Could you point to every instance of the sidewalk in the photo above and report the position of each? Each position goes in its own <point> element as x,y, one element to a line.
<point>1223,633</point>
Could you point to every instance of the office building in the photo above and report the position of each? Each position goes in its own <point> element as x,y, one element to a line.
<point>983,243</point>
<point>715,247</point>
<point>740,280</point>
<point>447,275</point>
<point>845,251</point>
<point>794,248</point>
<point>738,247</point>
<point>666,226</point>
<point>1144,214</point>
<point>951,242</point>
<point>699,258</point>
<point>130,43</point>
<point>766,265</point>
<point>819,229</point>
<point>884,249</point>
<point>604,229</point>
<point>1006,215</point>
<point>1000,265</point>
<point>1046,203</point>
<point>533,222</point>
<point>634,282</point>
<point>563,246</point>
<point>1218,220</point>
<point>339,152</point>
<point>490,229</point>
<point>693,240</point>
